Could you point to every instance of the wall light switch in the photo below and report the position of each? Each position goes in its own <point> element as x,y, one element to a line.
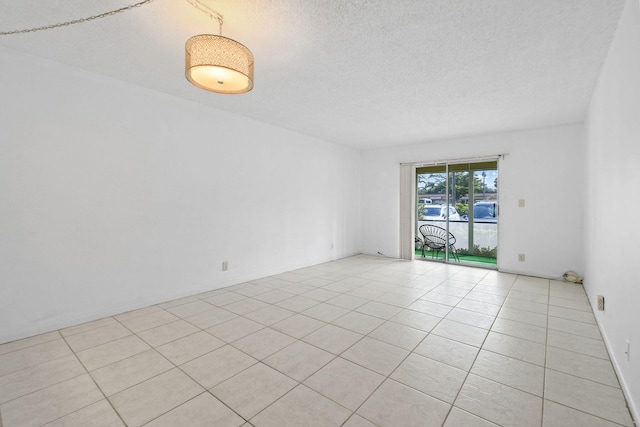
<point>521,203</point>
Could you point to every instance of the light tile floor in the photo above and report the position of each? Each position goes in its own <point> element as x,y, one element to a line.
<point>358,342</point>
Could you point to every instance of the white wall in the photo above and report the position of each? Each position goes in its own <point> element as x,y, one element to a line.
<point>543,166</point>
<point>114,197</point>
<point>611,222</point>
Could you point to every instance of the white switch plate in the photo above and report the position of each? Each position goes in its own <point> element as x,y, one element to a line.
<point>521,203</point>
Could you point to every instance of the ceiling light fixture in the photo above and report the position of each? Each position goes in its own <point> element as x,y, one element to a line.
<point>216,63</point>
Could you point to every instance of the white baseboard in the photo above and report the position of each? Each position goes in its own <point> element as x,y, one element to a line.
<point>633,409</point>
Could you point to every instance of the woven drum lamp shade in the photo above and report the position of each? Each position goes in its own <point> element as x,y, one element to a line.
<point>218,64</point>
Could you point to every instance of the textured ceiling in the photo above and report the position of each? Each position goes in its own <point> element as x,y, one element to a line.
<point>364,73</point>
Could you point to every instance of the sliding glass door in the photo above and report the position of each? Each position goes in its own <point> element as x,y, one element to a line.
<point>457,213</point>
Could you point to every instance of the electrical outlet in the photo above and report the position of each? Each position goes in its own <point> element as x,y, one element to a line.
<point>600,303</point>
<point>521,257</point>
<point>225,265</point>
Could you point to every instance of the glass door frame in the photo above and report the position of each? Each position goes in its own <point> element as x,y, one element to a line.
<point>472,167</point>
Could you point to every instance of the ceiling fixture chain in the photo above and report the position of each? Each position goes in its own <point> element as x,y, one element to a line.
<point>207,11</point>
<point>76,21</point>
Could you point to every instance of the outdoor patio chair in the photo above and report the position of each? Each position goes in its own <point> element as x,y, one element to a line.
<point>438,239</point>
<point>419,244</point>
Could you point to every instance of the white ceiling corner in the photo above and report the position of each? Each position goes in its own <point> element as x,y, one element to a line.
<point>364,73</point>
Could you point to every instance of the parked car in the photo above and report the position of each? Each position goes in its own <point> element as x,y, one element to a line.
<point>438,213</point>
<point>425,201</point>
<point>485,212</point>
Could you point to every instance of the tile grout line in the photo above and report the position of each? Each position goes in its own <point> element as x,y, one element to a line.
<point>335,356</point>
<point>388,377</point>
<point>382,285</point>
<point>546,369</point>
<point>546,350</point>
<point>474,359</point>
<point>94,382</point>
<point>205,390</point>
